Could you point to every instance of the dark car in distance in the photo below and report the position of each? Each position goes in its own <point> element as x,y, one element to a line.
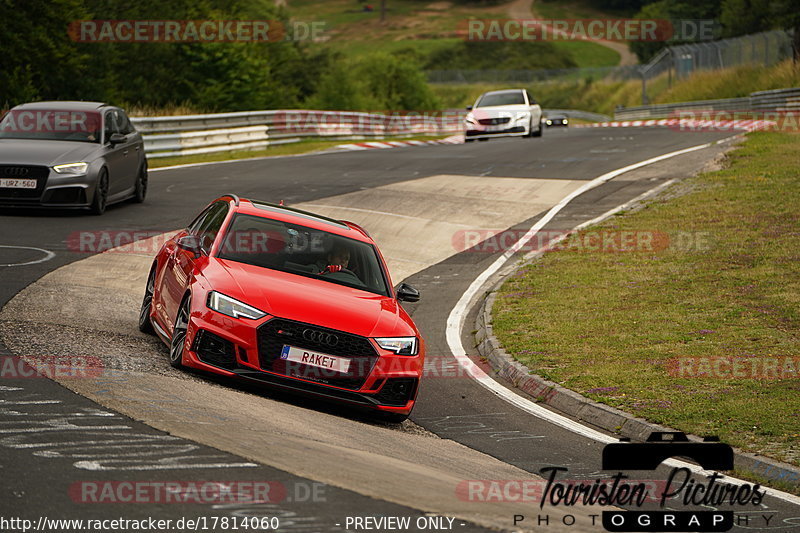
<point>70,155</point>
<point>556,120</point>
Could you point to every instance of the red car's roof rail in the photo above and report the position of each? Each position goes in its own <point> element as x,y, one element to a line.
<point>233,196</point>
<point>357,227</point>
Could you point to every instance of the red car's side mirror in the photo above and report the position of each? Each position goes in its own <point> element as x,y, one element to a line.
<point>190,243</point>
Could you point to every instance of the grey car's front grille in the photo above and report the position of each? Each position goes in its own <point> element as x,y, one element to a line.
<point>39,173</point>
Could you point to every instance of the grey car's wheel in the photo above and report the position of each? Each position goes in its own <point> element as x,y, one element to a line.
<point>100,200</point>
<point>178,343</point>
<point>141,185</point>
<point>145,326</point>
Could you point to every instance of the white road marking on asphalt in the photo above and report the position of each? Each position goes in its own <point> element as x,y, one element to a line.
<point>98,466</point>
<point>48,255</point>
<point>456,319</point>
<point>97,446</point>
<point>29,402</point>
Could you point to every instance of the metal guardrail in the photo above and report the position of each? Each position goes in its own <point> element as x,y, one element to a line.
<point>776,100</point>
<point>254,130</point>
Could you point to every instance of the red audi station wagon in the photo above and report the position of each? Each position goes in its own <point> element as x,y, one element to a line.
<point>288,298</point>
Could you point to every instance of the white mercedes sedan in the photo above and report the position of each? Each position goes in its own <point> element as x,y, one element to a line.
<point>503,113</point>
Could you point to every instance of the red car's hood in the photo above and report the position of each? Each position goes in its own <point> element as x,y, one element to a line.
<point>309,300</point>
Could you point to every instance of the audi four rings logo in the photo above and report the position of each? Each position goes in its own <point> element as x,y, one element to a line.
<point>320,337</point>
<point>15,171</point>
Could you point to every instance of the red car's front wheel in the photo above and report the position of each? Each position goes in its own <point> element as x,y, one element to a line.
<point>145,326</point>
<point>178,344</point>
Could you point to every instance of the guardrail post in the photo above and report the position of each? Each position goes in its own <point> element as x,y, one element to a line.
<point>766,49</point>
<point>644,87</point>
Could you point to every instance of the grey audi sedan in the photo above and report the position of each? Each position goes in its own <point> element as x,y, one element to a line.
<point>70,155</point>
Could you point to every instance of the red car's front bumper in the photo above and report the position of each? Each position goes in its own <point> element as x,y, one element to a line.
<point>382,380</point>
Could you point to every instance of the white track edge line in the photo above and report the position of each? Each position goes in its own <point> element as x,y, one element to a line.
<point>456,319</point>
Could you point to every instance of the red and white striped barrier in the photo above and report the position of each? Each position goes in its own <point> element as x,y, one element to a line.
<point>453,139</point>
<point>683,124</point>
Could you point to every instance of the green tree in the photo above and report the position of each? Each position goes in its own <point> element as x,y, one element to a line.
<point>394,84</point>
<point>740,17</point>
<point>38,60</point>
<point>671,10</point>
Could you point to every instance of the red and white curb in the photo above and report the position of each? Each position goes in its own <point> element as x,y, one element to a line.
<point>677,124</point>
<point>454,139</point>
<point>686,124</point>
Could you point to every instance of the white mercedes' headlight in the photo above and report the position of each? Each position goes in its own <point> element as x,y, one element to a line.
<point>469,118</point>
<point>228,306</point>
<point>399,345</point>
<point>522,116</point>
<point>72,168</point>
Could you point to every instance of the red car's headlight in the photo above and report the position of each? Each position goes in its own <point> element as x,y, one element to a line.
<point>399,345</point>
<point>234,308</point>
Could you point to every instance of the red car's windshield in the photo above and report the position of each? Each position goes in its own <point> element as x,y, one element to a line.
<point>304,251</point>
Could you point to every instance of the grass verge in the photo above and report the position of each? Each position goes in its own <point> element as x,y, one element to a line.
<point>722,283</point>
<point>302,147</point>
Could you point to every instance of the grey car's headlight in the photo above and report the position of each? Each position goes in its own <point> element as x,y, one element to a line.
<point>228,306</point>
<point>399,345</point>
<point>72,168</point>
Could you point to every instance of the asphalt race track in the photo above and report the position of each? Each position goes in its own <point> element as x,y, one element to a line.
<point>139,420</point>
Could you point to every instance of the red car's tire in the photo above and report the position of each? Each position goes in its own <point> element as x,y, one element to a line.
<point>145,326</point>
<point>178,343</point>
<point>394,418</point>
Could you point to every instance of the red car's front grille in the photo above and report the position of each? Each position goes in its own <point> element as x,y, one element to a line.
<point>278,332</point>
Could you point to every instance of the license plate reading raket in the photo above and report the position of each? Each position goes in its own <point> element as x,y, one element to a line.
<point>317,359</point>
<point>11,183</point>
